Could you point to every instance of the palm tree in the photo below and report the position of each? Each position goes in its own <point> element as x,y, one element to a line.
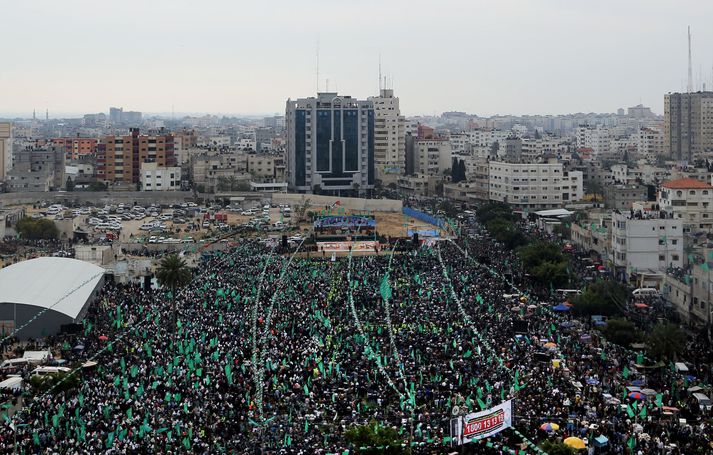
<point>173,273</point>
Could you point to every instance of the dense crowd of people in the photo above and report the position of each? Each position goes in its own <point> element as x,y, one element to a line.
<point>285,354</point>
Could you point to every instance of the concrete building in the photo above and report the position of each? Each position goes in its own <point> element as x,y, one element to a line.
<point>432,156</point>
<point>118,116</point>
<point>690,201</point>
<point>534,186</point>
<point>640,111</point>
<point>157,178</point>
<point>37,169</point>
<point>597,138</point>
<point>389,137</point>
<point>623,196</point>
<point>688,125</point>
<point>119,158</point>
<point>650,145</point>
<point>76,147</point>
<point>330,144</point>
<point>210,172</point>
<point>417,184</point>
<point>645,243</point>
<point>264,168</point>
<point>534,150</point>
<point>5,149</point>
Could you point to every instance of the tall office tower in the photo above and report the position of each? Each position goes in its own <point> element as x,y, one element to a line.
<point>5,149</point>
<point>688,125</point>
<point>330,144</point>
<point>115,114</point>
<point>389,137</point>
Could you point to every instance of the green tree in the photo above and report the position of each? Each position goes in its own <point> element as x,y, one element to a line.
<point>607,298</point>
<point>97,186</point>
<point>173,273</point>
<point>666,341</point>
<point>551,273</point>
<point>42,229</point>
<point>557,448</point>
<point>69,184</point>
<point>621,331</point>
<point>494,210</point>
<point>374,438</point>
<point>534,254</point>
<point>55,382</point>
<point>505,232</point>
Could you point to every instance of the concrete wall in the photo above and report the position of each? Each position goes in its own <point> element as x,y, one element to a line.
<point>374,205</point>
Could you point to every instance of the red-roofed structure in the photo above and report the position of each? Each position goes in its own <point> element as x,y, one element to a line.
<point>686,184</point>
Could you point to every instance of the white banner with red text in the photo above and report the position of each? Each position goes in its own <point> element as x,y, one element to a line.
<point>479,425</point>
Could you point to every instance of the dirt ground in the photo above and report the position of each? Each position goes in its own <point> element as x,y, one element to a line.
<point>387,224</point>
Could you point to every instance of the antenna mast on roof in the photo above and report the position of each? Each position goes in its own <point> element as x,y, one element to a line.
<point>379,74</point>
<point>690,68</point>
<point>317,64</point>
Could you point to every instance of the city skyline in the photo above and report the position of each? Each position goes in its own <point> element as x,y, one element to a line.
<point>512,58</point>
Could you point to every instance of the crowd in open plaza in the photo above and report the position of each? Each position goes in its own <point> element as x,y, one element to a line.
<point>281,354</point>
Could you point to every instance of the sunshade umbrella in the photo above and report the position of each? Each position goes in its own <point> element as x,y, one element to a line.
<point>641,305</point>
<point>103,338</point>
<point>637,396</point>
<point>575,442</point>
<point>561,307</point>
<point>550,345</point>
<point>549,426</point>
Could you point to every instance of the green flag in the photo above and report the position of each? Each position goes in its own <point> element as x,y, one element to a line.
<point>625,372</point>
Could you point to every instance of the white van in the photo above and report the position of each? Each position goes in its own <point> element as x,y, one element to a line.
<point>645,292</point>
<point>41,371</point>
<point>704,402</point>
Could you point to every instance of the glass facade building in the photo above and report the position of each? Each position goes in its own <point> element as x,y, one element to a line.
<point>330,144</point>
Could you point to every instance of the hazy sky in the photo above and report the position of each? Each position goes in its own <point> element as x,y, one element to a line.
<point>489,57</point>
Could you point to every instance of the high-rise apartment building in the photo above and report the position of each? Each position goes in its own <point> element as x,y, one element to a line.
<point>330,143</point>
<point>688,125</point>
<point>5,149</point>
<point>119,158</point>
<point>389,136</point>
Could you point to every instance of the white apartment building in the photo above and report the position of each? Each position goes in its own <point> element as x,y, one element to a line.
<point>389,136</point>
<point>155,178</point>
<point>487,137</point>
<point>596,138</point>
<point>534,186</point>
<point>432,156</point>
<point>650,144</point>
<point>534,149</point>
<point>460,142</point>
<point>214,141</point>
<point>646,173</point>
<point>5,149</point>
<point>646,243</point>
<point>690,201</point>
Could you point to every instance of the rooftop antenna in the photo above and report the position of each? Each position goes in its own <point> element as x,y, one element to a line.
<point>379,73</point>
<point>690,69</point>
<point>317,63</point>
